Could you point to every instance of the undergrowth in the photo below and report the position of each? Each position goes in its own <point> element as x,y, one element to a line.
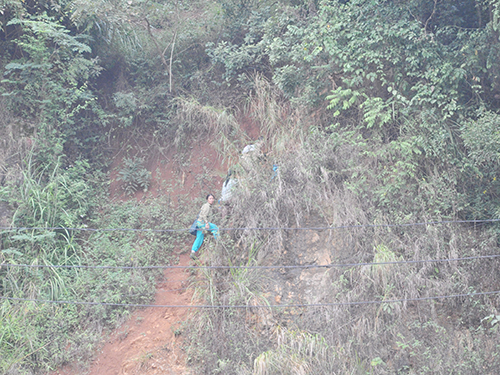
<point>38,336</point>
<point>372,117</point>
<point>374,318</point>
<point>134,176</point>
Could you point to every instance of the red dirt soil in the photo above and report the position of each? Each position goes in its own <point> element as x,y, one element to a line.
<point>147,344</point>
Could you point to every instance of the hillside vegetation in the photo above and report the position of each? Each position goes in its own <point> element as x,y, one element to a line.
<point>381,118</point>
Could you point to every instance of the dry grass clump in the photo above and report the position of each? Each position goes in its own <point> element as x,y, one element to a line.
<point>281,127</point>
<point>413,335</point>
<point>372,320</point>
<point>195,120</point>
<point>226,338</point>
<point>297,352</point>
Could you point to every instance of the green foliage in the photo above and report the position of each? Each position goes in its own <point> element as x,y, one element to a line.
<point>481,166</point>
<point>127,105</point>
<point>59,201</point>
<point>38,337</point>
<point>412,89</point>
<point>481,137</point>
<point>250,27</point>
<point>385,62</point>
<point>46,83</point>
<point>388,62</point>
<point>134,175</point>
<point>49,82</point>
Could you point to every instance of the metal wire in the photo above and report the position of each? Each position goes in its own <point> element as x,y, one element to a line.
<point>251,228</point>
<point>293,305</point>
<point>304,266</point>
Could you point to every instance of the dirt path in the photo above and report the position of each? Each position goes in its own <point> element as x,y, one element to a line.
<point>147,343</point>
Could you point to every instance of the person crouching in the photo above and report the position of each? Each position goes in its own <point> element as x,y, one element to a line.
<point>204,224</point>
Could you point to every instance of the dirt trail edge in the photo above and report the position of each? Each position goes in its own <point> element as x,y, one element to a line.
<point>147,343</point>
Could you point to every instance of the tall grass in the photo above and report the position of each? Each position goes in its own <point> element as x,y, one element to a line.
<point>36,337</point>
<point>282,127</point>
<point>327,178</point>
<point>296,352</point>
<point>197,121</point>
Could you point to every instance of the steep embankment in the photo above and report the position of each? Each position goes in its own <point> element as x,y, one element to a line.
<point>149,341</point>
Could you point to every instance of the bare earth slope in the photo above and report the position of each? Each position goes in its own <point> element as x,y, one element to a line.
<point>147,343</point>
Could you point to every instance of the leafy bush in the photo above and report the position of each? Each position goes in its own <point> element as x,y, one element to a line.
<point>134,175</point>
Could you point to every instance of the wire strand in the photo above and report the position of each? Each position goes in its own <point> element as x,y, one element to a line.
<point>352,303</point>
<point>254,228</point>
<point>331,265</point>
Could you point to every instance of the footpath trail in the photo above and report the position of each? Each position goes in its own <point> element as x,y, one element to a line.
<point>147,343</point>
